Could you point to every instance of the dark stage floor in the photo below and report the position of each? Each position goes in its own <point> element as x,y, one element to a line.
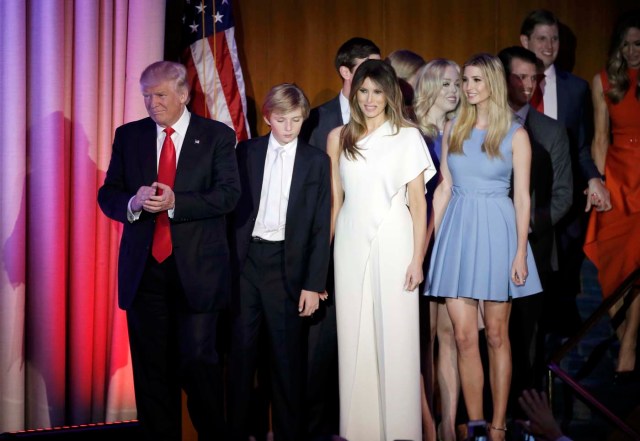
<point>592,363</point>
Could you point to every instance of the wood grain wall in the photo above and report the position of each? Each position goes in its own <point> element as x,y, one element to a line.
<point>296,40</point>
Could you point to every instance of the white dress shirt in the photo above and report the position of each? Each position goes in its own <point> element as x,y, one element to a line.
<point>550,94</point>
<point>289,156</point>
<point>177,137</point>
<point>345,109</point>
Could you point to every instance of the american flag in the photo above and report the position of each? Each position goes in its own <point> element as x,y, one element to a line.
<point>215,74</point>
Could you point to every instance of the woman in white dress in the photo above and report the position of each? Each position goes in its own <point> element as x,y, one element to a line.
<point>380,164</point>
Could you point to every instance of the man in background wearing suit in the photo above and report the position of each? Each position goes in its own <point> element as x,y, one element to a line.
<point>322,374</point>
<point>281,256</point>
<point>335,112</point>
<point>566,98</point>
<point>551,197</point>
<point>172,179</point>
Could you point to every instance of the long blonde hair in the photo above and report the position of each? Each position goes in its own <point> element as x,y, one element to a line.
<point>384,76</point>
<point>499,114</point>
<point>405,63</point>
<point>428,87</point>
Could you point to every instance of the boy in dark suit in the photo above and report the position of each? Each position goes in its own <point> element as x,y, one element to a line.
<point>281,233</point>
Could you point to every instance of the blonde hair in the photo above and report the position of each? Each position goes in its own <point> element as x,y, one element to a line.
<point>405,63</point>
<point>498,111</point>
<point>428,88</point>
<point>160,71</point>
<point>383,76</point>
<point>284,98</point>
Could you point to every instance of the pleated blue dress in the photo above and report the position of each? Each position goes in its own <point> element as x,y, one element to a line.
<point>477,240</point>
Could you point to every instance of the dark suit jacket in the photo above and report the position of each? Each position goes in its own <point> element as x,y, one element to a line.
<point>321,121</point>
<point>308,221</point>
<point>206,188</point>
<point>551,184</point>
<point>575,112</point>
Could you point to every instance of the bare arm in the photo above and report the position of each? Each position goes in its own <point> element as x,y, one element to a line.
<point>521,201</point>
<point>430,229</point>
<point>337,193</point>
<point>601,118</point>
<point>442,194</point>
<point>418,210</point>
<point>597,194</point>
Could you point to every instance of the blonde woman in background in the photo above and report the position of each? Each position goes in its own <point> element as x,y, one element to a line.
<point>406,64</point>
<point>437,95</point>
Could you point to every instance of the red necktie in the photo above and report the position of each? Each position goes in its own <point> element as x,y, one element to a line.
<point>537,99</point>
<point>162,247</point>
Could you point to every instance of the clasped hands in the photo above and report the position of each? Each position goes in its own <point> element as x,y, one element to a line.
<point>310,302</point>
<point>598,197</point>
<point>154,198</point>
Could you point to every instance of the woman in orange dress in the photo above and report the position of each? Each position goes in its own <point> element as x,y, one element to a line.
<point>613,237</point>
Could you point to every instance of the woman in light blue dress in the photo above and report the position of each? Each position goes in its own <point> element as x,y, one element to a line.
<point>481,250</point>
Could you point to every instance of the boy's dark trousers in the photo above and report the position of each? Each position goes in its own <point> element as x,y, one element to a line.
<point>265,305</point>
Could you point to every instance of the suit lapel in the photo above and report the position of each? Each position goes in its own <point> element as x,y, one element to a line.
<point>257,155</point>
<point>562,95</point>
<point>190,158</point>
<point>337,112</point>
<point>149,153</point>
<point>300,170</point>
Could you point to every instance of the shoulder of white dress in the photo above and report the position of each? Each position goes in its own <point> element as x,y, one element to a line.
<point>410,131</point>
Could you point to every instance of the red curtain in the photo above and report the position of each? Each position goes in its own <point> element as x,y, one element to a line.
<point>69,77</point>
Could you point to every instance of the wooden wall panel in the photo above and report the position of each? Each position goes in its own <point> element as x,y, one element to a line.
<point>454,29</point>
<point>584,35</point>
<point>296,40</point>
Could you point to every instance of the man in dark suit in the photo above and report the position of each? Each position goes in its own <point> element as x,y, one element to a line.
<point>551,197</point>
<point>322,373</point>
<point>335,112</point>
<point>281,233</point>
<point>566,98</point>
<point>172,179</point>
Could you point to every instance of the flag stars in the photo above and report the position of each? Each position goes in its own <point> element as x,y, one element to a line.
<point>201,8</point>
<point>218,17</point>
<point>194,27</point>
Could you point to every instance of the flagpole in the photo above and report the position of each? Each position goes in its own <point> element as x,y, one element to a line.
<point>202,60</point>
<point>215,61</point>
